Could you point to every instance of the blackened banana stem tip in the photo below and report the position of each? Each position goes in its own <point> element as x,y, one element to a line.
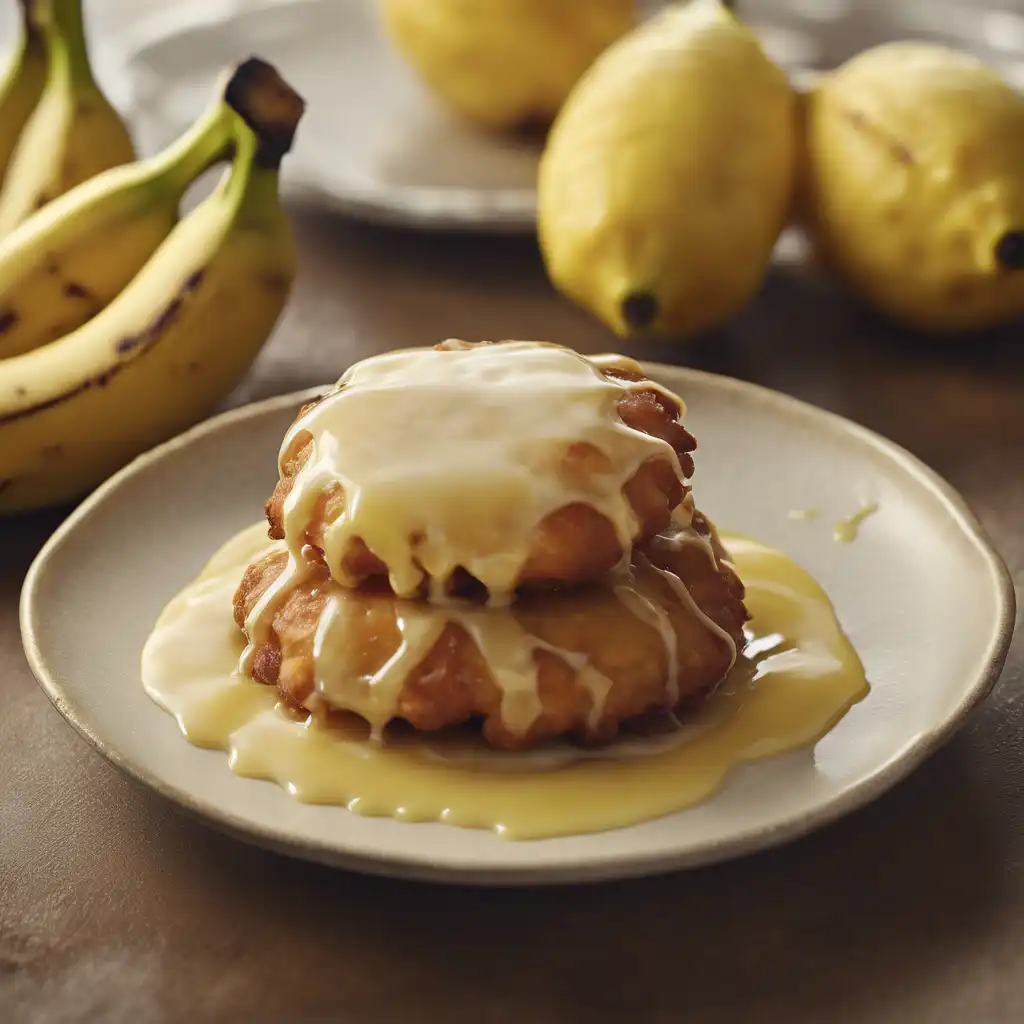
<point>268,105</point>
<point>1009,251</point>
<point>61,24</point>
<point>209,141</point>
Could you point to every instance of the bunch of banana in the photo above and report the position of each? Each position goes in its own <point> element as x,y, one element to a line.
<point>22,86</point>
<point>178,337</point>
<point>54,276</point>
<point>73,132</point>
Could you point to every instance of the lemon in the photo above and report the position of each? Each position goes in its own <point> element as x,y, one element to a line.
<point>915,185</point>
<point>669,174</point>
<point>504,63</point>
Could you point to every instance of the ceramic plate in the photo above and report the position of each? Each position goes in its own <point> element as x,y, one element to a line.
<point>925,600</point>
<point>377,145</point>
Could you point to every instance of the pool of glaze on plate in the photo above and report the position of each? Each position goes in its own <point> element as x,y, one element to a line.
<point>798,677</point>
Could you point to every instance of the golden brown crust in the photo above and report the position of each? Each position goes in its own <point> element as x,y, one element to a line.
<point>453,683</point>
<point>574,543</point>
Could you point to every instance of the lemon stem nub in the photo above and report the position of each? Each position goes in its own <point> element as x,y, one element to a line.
<point>639,310</point>
<point>1010,250</point>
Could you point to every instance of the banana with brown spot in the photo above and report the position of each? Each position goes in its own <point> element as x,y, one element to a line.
<point>176,340</point>
<point>65,263</point>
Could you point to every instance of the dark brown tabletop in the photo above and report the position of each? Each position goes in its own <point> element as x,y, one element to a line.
<point>116,907</point>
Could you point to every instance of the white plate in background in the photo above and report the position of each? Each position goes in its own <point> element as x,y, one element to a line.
<point>377,145</point>
<point>373,143</point>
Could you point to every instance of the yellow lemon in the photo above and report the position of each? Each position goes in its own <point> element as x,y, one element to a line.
<point>669,174</point>
<point>505,63</point>
<point>914,190</point>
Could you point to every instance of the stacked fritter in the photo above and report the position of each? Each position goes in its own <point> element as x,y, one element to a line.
<point>494,533</point>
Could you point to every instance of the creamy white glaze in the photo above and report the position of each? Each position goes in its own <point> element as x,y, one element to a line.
<point>801,677</point>
<point>451,459</point>
<point>679,538</point>
<point>651,612</point>
<point>508,649</point>
<point>505,646</point>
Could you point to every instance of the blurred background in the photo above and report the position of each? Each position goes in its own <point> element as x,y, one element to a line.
<point>377,144</point>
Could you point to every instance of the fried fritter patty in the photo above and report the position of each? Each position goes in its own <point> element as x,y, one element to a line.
<point>574,543</point>
<point>453,683</point>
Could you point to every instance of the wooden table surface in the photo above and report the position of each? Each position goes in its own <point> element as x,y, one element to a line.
<point>116,907</point>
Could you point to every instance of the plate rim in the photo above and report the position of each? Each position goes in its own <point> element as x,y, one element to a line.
<point>454,209</point>
<point>603,867</point>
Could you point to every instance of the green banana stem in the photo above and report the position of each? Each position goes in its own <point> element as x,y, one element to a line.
<point>255,110</point>
<point>21,85</point>
<point>250,183</point>
<point>266,112</point>
<point>208,141</point>
<point>30,45</point>
<point>63,27</point>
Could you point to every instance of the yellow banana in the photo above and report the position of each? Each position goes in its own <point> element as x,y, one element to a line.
<point>64,264</point>
<point>22,86</point>
<point>73,132</point>
<point>669,174</point>
<point>176,340</point>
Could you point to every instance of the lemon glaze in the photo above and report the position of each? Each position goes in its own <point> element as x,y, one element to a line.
<point>475,465</point>
<point>797,677</point>
<point>847,530</point>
